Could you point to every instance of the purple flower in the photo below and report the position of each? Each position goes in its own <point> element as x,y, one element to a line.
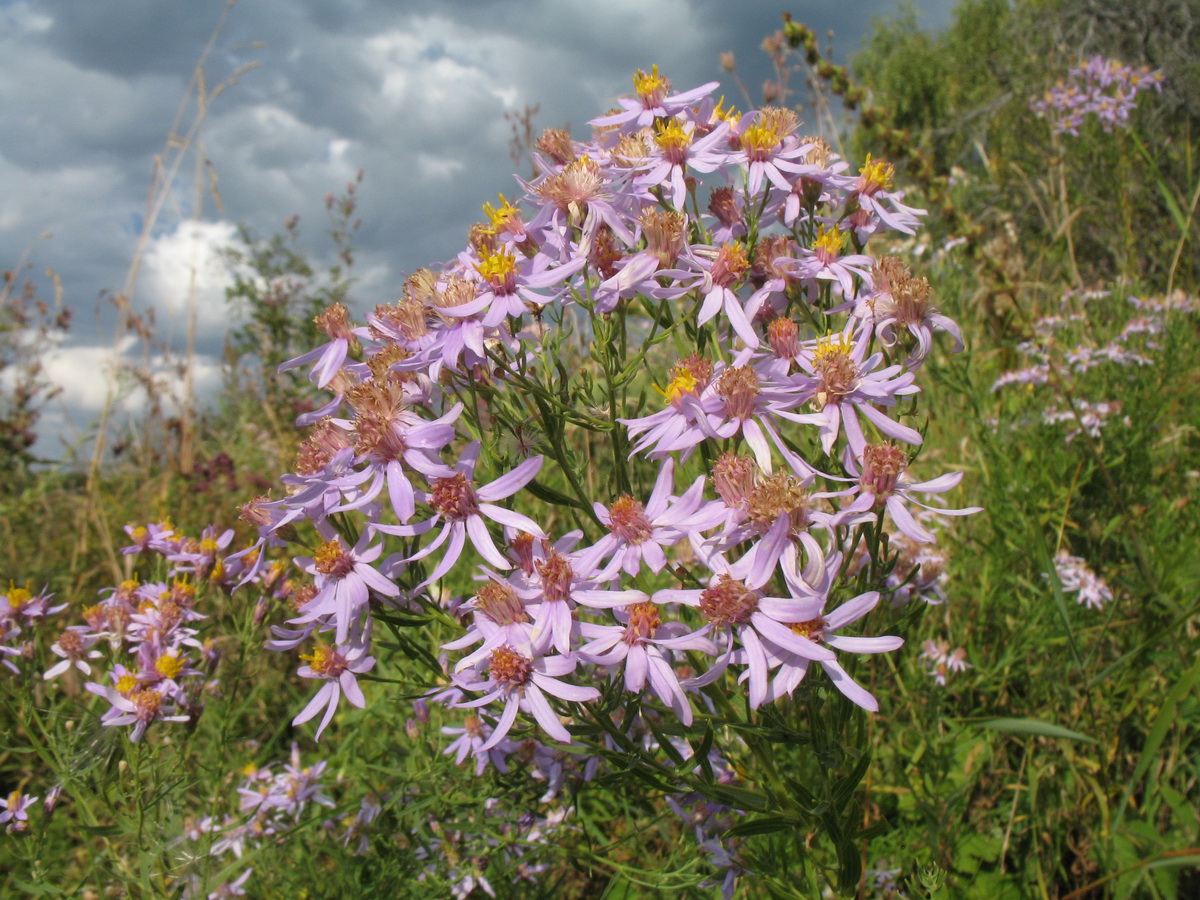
<point>338,666</point>
<point>820,629</point>
<point>652,101</point>
<point>883,482</point>
<point>471,740</point>
<point>522,683</point>
<point>328,358</point>
<point>639,641</point>
<point>461,508</point>
<point>845,387</point>
<point>344,580</point>
<point>16,806</point>
<point>133,704</point>
<point>74,645</point>
<point>735,604</point>
<point>638,534</point>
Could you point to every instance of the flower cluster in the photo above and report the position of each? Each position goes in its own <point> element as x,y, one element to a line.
<point>157,661</point>
<point>1075,576</point>
<point>942,662</point>
<point>721,548</point>
<point>508,842</point>
<point>270,805</point>
<point>1104,88</point>
<point>1067,356</point>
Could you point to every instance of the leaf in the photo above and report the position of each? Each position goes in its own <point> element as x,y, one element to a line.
<point>1036,728</point>
<point>1192,859</point>
<point>41,889</point>
<point>738,798</point>
<point>761,825</point>
<point>550,495</point>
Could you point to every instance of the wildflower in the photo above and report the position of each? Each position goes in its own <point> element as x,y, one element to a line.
<point>883,481</point>
<point>461,507</point>
<point>845,387</point>
<point>821,630</point>
<point>133,704</point>
<point>1075,576</point>
<point>734,603</point>
<point>642,641</point>
<point>16,807</point>
<point>638,534</point>
<point>901,300</point>
<point>942,661</point>
<point>677,152</point>
<point>329,357</point>
<point>870,191</point>
<point>653,101</point>
<point>345,580</point>
<point>720,271</point>
<point>824,261</point>
<point>767,139</point>
<point>470,741</point>
<point>74,645</point>
<point>338,666</point>
<point>522,683</point>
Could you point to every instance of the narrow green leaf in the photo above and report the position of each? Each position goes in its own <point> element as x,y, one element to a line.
<point>761,825</point>
<point>1036,728</point>
<point>738,798</point>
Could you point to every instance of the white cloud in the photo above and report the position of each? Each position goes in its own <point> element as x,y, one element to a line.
<point>182,270</point>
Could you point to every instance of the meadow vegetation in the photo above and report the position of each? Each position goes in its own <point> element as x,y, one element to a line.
<point>483,639</point>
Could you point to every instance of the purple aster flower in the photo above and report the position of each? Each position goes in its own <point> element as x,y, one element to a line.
<point>734,603</point>
<point>638,534</point>
<point>461,507</point>
<point>500,619</point>
<point>16,810</point>
<point>345,579</point>
<point>328,358</point>
<point>871,192</point>
<point>820,629</point>
<point>715,272</point>
<point>522,683</point>
<point>74,645</point>
<point>652,101</point>
<point>846,387</point>
<point>338,666</point>
<point>825,262</point>
<point>470,741</point>
<point>678,151</point>
<point>767,140</point>
<point>883,482</point>
<point>133,704</point>
<point>899,300</point>
<point>642,642</point>
<point>1075,575</point>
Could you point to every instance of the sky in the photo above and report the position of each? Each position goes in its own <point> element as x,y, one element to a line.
<point>303,94</point>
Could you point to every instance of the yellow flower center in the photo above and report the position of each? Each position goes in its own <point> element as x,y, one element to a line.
<point>672,136</point>
<point>830,241</point>
<point>168,666</point>
<point>651,86</point>
<point>876,175</point>
<point>126,684</point>
<point>500,216</point>
<point>496,267</point>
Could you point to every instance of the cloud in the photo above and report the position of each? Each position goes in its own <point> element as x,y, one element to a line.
<point>182,270</point>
